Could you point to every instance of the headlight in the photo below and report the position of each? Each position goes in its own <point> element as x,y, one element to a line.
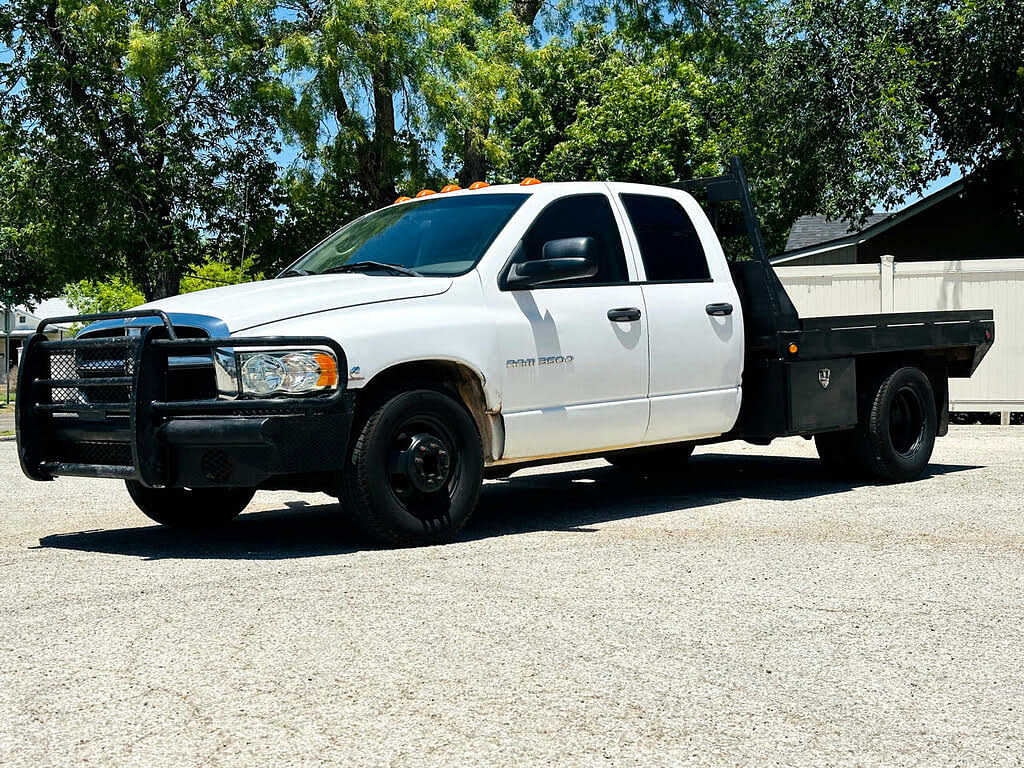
<point>287,373</point>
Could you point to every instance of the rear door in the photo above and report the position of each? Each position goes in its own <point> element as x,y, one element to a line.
<point>695,322</point>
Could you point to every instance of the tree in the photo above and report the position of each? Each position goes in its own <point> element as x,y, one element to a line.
<point>150,121</point>
<point>29,266</point>
<point>836,107</point>
<point>972,80</point>
<point>211,274</point>
<point>849,106</point>
<point>446,62</point>
<point>116,294</point>
<point>596,111</point>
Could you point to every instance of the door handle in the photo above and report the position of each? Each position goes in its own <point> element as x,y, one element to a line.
<point>719,310</point>
<point>624,314</point>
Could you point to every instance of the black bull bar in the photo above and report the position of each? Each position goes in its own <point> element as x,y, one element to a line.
<point>118,421</point>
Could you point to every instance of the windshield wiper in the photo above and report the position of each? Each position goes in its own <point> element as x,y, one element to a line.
<point>357,266</point>
<point>294,272</point>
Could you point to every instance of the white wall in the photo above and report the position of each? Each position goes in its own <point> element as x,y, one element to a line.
<point>996,284</point>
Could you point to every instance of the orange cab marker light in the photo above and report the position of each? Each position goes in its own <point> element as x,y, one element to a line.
<point>529,181</point>
<point>792,349</point>
<point>402,199</point>
<point>450,188</point>
<point>328,370</point>
<point>425,192</point>
<point>479,185</point>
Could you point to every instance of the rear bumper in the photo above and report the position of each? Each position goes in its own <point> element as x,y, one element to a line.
<point>65,427</point>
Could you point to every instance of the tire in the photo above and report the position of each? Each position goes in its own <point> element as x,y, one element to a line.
<point>838,452</point>
<point>414,470</point>
<point>190,508</point>
<point>897,435</point>
<point>658,459</point>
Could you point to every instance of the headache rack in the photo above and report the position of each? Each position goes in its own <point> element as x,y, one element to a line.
<point>102,407</point>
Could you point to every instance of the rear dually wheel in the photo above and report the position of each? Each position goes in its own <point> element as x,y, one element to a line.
<point>895,438</point>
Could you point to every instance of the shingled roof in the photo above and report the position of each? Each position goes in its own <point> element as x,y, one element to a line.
<point>815,230</point>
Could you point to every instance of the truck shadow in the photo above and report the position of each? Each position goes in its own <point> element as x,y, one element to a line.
<point>556,500</point>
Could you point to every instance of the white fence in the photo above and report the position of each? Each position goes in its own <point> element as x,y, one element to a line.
<point>997,284</point>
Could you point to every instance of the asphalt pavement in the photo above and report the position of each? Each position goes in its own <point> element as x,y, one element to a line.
<point>749,611</point>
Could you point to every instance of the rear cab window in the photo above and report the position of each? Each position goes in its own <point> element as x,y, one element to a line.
<point>670,248</point>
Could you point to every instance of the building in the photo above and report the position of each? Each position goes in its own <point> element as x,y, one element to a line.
<point>976,217</point>
<point>23,322</point>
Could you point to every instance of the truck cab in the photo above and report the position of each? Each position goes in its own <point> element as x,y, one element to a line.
<point>476,331</point>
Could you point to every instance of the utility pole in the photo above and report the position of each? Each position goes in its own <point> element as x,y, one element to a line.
<point>8,302</point>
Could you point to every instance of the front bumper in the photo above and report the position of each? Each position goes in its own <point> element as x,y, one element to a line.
<point>123,425</point>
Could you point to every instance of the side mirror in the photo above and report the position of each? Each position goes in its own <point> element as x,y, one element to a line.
<point>567,259</point>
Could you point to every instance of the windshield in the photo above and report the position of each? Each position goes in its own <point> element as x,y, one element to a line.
<point>443,236</point>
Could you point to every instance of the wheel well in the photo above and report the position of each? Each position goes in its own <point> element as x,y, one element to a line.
<point>457,379</point>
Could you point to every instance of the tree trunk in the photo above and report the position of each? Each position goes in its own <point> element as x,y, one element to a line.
<point>526,11</point>
<point>474,162</point>
<point>377,160</point>
<point>165,281</point>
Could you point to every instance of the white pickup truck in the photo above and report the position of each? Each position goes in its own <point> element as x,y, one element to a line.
<point>446,337</point>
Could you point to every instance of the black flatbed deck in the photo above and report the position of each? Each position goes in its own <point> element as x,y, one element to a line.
<point>807,375</point>
<point>962,336</point>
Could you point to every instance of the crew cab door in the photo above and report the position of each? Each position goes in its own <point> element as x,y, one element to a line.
<point>575,371</point>
<point>695,321</point>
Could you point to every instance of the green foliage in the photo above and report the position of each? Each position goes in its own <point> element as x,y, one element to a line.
<point>211,274</point>
<point>148,123</point>
<point>594,111</point>
<point>29,267</point>
<point>972,75</point>
<point>137,139</point>
<point>449,65</point>
<point>115,294</point>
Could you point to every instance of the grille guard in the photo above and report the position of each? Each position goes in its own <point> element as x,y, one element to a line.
<point>47,426</point>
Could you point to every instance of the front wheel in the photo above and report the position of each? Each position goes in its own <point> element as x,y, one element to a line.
<point>190,508</point>
<point>415,469</point>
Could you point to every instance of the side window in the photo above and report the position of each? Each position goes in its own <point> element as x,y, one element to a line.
<point>581,216</point>
<point>669,244</point>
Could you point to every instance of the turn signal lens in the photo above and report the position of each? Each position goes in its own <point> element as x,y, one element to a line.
<point>402,199</point>
<point>328,370</point>
<point>529,181</point>
<point>479,185</point>
<point>792,349</point>
<point>425,192</point>
<point>450,188</point>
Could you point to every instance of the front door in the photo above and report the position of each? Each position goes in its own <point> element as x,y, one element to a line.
<point>576,367</point>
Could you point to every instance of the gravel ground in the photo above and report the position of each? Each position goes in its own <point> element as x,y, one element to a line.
<point>747,613</point>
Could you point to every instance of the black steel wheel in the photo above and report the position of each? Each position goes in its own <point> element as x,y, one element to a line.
<point>654,460</point>
<point>415,469</point>
<point>898,434</point>
<point>191,508</point>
